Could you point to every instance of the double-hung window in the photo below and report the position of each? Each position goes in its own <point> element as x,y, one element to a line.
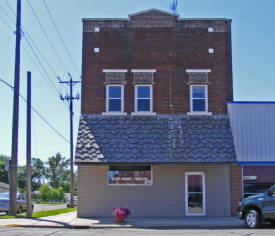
<point>198,98</point>
<point>143,98</point>
<point>198,81</point>
<point>114,100</point>
<point>143,81</point>
<point>115,81</point>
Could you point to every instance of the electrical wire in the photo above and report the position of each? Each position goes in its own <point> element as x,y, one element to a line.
<point>47,37</point>
<point>61,39</point>
<point>38,113</point>
<point>42,67</point>
<point>254,74</point>
<point>7,14</point>
<point>6,23</point>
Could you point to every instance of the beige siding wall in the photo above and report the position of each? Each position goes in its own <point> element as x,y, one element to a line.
<point>165,198</point>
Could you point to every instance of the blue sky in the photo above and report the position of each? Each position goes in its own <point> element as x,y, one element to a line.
<point>253,50</point>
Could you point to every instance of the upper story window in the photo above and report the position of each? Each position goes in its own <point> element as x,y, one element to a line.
<point>143,80</point>
<point>143,98</point>
<point>115,98</point>
<point>115,81</point>
<point>198,98</point>
<point>198,81</point>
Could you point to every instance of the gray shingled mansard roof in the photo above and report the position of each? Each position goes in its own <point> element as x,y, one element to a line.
<point>154,139</point>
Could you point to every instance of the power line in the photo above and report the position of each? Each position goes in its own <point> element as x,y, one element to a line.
<point>61,38</point>
<point>10,7</point>
<point>8,15</point>
<point>247,90</point>
<point>254,74</point>
<point>6,23</point>
<point>42,66</point>
<point>47,37</point>
<point>38,113</point>
<point>33,51</point>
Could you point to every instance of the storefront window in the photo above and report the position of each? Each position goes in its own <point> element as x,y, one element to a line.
<point>129,175</point>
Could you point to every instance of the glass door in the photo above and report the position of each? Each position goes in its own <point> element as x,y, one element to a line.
<point>194,194</point>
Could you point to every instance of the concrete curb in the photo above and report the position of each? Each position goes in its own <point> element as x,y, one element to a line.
<point>123,226</point>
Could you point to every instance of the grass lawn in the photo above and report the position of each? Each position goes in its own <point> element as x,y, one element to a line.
<point>41,214</point>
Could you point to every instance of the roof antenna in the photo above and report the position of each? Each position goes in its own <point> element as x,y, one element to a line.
<point>173,6</point>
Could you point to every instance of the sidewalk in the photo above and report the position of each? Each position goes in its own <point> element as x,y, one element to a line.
<point>69,220</point>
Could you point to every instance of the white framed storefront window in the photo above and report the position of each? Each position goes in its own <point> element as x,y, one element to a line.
<point>127,175</point>
<point>195,194</point>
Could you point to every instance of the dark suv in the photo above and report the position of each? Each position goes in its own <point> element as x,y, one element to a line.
<point>258,209</point>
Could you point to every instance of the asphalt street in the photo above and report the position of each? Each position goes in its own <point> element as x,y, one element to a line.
<point>267,230</point>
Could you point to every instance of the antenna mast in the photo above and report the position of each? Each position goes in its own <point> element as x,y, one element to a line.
<point>173,6</point>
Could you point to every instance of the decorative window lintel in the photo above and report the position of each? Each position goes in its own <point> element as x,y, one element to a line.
<point>115,76</point>
<point>198,76</point>
<point>143,76</point>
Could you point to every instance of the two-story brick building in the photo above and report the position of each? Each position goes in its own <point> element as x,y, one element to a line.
<point>154,134</point>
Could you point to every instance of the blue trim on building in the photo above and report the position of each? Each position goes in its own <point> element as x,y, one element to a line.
<point>248,102</point>
<point>256,163</point>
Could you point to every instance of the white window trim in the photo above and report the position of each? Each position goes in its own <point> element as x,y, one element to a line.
<point>151,102</point>
<point>144,70</point>
<point>115,70</point>
<point>198,70</point>
<point>130,184</point>
<point>107,101</point>
<point>203,194</point>
<point>199,113</point>
<point>112,113</point>
<point>206,101</point>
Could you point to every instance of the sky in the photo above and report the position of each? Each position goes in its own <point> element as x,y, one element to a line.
<point>44,55</point>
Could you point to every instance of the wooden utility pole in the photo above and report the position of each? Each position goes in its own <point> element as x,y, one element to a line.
<point>14,151</point>
<point>71,83</point>
<point>28,148</point>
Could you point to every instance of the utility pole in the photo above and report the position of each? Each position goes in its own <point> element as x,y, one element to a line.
<point>28,154</point>
<point>14,151</point>
<point>71,83</point>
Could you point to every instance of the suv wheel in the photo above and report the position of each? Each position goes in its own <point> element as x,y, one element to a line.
<point>252,219</point>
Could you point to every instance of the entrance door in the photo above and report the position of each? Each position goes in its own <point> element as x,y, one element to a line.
<point>194,194</point>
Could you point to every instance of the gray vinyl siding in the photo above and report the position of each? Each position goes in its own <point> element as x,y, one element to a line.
<point>165,198</point>
<point>253,130</point>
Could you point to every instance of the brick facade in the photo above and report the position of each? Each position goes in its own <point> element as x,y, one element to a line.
<point>160,41</point>
<point>173,49</point>
<point>236,182</point>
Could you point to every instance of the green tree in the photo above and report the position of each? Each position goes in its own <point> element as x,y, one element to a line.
<point>66,187</point>
<point>45,192</point>
<point>37,174</point>
<point>3,174</point>
<point>61,194</point>
<point>55,194</point>
<point>58,171</point>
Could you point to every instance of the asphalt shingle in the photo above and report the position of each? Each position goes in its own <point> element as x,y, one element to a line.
<point>158,139</point>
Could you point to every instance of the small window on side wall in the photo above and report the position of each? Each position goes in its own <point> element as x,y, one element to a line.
<point>143,98</point>
<point>198,98</point>
<point>115,98</point>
